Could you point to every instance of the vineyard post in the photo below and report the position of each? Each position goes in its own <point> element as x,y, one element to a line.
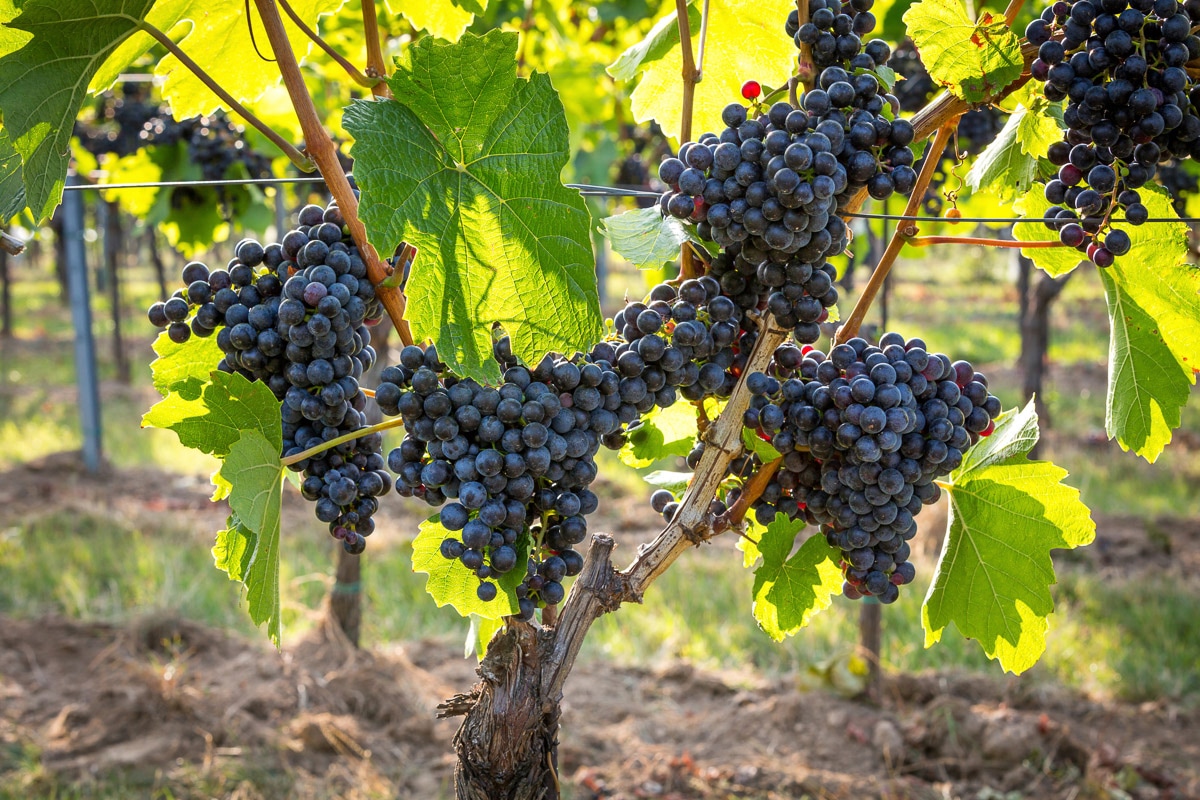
<point>81,314</point>
<point>110,214</point>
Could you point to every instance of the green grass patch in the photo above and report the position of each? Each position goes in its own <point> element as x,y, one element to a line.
<point>1124,639</point>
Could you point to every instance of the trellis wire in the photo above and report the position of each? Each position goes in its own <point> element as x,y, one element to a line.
<point>585,189</point>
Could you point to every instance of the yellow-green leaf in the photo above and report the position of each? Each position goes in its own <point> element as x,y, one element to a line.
<point>1006,514</point>
<point>445,19</point>
<point>751,44</point>
<point>253,471</point>
<point>43,84</point>
<point>217,38</point>
<point>646,238</point>
<point>973,60</point>
<point>664,432</point>
<point>465,164</point>
<point>1154,320</point>
<point>230,406</point>
<point>450,583</point>
<point>1053,260</point>
<point>790,589</point>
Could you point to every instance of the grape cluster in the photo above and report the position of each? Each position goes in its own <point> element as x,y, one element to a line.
<point>917,87</point>
<point>768,190</point>
<point>216,144</point>
<point>1120,65</point>
<point>692,340</point>
<point>864,432</point>
<point>118,120</point>
<point>295,316</point>
<point>123,124</point>
<point>510,466</point>
<point>833,32</point>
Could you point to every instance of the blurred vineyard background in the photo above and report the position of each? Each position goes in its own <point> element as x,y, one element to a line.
<point>127,665</point>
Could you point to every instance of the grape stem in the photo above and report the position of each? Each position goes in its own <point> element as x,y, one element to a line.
<point>806,70</point>
<point>302,161</point>
<point>1011,12</point>
<point>11,244</point>
<point>689,70</point>
<point>550,615</point>
<point>925,241</point>
<point>903,233</point>
<point>376,64</point>
<point>700,44</point>
<point>750,494</point>
<point>342,61</point>
<point>387,424</point>
<point>323,151</point>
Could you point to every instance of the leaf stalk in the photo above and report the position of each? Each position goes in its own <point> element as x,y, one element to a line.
<point>323,151</point>
<point>301,161</point>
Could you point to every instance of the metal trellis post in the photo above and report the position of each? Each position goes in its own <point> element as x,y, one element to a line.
<point>81,316</point>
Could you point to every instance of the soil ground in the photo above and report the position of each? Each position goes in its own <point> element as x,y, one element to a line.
<point>169,703</point>
<point>166,705</point>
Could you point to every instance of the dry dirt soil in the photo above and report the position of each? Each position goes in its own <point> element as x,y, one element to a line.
<point>178,705</point>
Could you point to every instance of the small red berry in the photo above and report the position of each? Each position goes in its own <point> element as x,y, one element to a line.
<point>989,429</point>
<point>751,89</point>
<point>806,349</point>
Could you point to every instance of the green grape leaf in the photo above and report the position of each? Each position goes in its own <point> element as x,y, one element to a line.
<point>748,544</point>
<point>465,164</point>
<point>1006,514</point>
<point>234,549</point>
<point>1040,126</point>
<point>886,76</point>
<point>654,46</point>
<point>664,432</point>
<point>1053,260</point>
<point>973,60</point>
<point>184,369</point>
<point>752,44</point>
<point>674,482</point>
<point>43,84</point>
<point>444,19</point>
<point>451,583</point>
<point>758,446</point>
<point>12,183</point>
<point>230,406</point>
<point>1006,168</point>
<point>1154,321</point>
<point>479,636</point>
<point>253,472</point>
<point>646,238</point>
<point>790,589</point>
<point>217,38</point>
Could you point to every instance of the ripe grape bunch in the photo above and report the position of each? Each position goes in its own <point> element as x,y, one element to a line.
<point>1131,106</point>
<point>692,341</point>
<point>510,466</point>
<point>864,433</point>
<point>295,316</point>
<point>769,187</point>
<point>833,32</point>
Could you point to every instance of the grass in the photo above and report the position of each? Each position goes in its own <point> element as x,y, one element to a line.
<point>1129,639</point>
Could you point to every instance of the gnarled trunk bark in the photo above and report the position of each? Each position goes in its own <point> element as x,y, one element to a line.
<point>507,746</point>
